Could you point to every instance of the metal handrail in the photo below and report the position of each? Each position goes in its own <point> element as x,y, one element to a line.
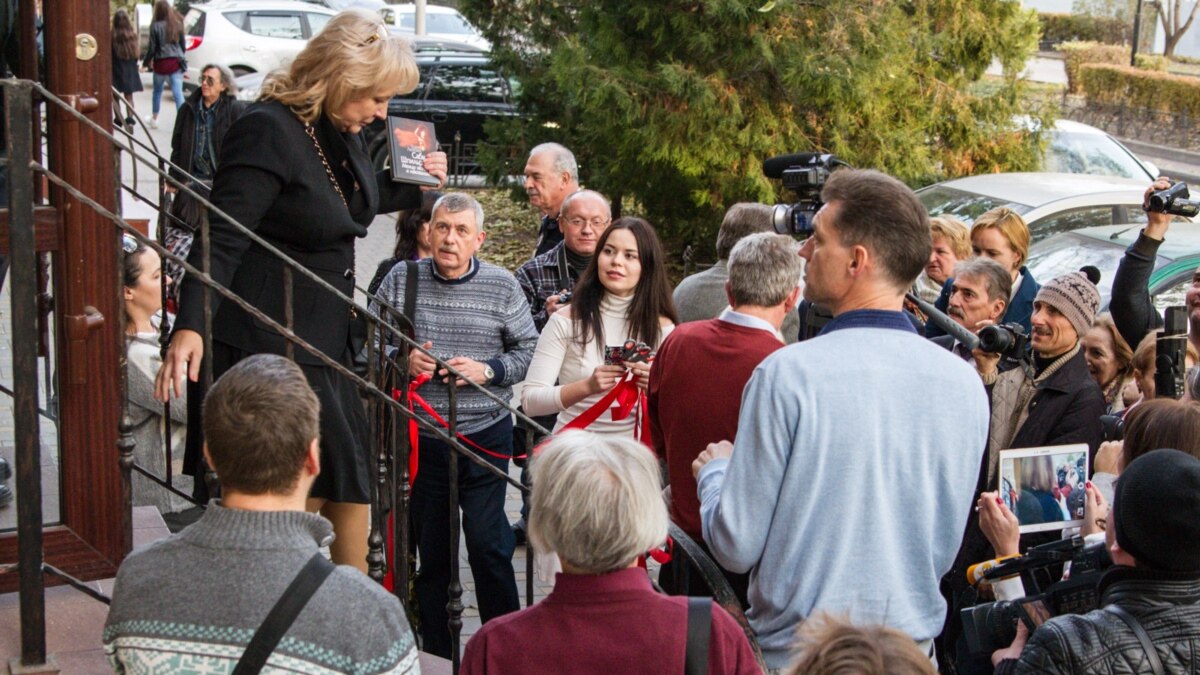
<point>390,489</point>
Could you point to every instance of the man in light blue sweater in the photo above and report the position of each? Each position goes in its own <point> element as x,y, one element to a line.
<point>842,493</point>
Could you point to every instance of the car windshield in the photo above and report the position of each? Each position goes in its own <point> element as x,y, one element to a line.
<point>1090,153</point>
<point>940,200</point>
<point>437,23</point>
<point>1068,253</point>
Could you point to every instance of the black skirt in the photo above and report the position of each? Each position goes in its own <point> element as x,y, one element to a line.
<point>345,445</point>
<point>125,76</point>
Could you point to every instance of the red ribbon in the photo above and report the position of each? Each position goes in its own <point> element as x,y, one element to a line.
<point>625,397</point>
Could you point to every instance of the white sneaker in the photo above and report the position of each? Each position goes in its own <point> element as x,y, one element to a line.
<point>152,121</point>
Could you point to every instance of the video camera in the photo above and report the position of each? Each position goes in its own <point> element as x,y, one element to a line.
<point>1007,339</point>
<point>1174,200</point>
<point>804,174</point>
<point>993,625</point>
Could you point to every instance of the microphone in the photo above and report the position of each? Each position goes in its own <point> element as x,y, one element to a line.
<point>1092,273</point>
<point>976,572</point>
<point>773,167</point>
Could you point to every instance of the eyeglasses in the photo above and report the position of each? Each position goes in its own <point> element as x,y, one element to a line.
<point>596,223</point>
<point>208,80</point>
<point>129,244</point>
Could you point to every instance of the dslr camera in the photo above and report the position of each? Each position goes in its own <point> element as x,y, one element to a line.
<point>1008,340</point>
<point>804,174</point>
<point>993,625</point>
<point>1174,200</point>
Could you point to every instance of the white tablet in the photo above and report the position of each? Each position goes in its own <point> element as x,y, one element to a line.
<point>1044,486</point>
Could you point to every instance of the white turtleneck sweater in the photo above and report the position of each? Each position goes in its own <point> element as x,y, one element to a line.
<point>560,360</point>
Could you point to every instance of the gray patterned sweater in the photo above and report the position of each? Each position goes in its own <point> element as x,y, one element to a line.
<point>191,602</point>
<point>482,315</point>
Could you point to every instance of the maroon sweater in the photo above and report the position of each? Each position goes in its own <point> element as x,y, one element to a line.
<point>603,623</point>
<point>695,392</point>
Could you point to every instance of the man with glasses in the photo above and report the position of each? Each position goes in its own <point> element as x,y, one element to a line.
<point>547,276</point>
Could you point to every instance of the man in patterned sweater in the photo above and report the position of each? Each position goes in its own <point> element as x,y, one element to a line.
<point>473,316</point>
<point>190,603</point>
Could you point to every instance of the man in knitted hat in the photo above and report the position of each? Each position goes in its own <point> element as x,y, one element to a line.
<point>1153,588</point>
<point>1050,401</point>
<point>1054,401</point>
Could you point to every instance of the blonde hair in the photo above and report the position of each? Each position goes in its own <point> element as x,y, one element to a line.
<point>832,646</point>
<point>596,501</point>
<point>1011,225</point>
<point>954,231</point>
<point>353,57</point>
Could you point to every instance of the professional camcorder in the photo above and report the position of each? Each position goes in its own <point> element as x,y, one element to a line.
<point>804,174</point>
<point>993,625</point>
<point>1174,200</point>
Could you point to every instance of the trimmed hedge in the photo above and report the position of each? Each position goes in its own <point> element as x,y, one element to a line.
<point>1137,88</point>
<point>1075,54</point>
<point>1059,28</point>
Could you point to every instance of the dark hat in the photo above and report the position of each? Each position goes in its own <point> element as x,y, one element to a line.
<point>1075,297</point>
<point>1156,511</point>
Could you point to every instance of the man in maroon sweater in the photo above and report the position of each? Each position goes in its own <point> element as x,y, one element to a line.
<point>597,505</point>
<point>699,373</point>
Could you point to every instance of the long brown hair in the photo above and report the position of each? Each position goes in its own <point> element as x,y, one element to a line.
<point>163,11</point>
<point>1161,423</point>
<point>651,296</point>
<point>124,37</point>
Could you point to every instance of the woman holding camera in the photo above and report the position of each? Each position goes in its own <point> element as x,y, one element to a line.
<point>623,294</point>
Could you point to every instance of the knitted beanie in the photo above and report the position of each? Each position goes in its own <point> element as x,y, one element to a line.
<point>1156,511</point>
<point>1074,297</point>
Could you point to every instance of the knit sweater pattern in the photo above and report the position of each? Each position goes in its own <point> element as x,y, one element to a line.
<point>190,603</point>
<point>482,316</point>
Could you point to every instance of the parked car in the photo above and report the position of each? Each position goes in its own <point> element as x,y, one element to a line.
<point>1049,202</point>
<point>339,5</point>
<point>458,92</point>
<point>1103,247</point>
<point>1079,148</point>
<point>443,23</point>
<point>250,36</point>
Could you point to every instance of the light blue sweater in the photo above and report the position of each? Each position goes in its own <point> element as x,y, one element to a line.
<point>851,479</point>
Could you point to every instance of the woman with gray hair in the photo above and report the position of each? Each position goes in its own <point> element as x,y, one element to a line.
<point>597,504</point>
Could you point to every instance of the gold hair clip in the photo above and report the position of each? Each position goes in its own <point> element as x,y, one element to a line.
<point>378,35</point>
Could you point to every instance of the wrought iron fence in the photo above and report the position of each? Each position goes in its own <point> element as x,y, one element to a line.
<point>389,418</point>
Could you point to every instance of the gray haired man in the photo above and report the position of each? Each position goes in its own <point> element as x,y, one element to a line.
<point>978,297</point>
<point>717,357</point>
<point>550,175</point>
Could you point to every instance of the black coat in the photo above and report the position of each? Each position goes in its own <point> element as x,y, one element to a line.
<point>183,138</point>
<point>1066,409</point>
<point>271,180</point>
<point>1166,605</point>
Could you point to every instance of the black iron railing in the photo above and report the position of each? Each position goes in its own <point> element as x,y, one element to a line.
<point>389,417</point>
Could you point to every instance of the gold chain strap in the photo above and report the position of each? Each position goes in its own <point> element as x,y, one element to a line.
<point>308,129</point>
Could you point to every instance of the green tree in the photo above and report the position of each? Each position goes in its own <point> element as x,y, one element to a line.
<point>675,103</point>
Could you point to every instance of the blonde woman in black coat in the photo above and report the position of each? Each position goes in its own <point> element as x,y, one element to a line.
<point>294,168</point>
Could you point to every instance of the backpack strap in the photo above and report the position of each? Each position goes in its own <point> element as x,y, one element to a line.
<point>411,278</point>
<point>283,615</point>
<point>699,633</point>
<point>1151,653</point>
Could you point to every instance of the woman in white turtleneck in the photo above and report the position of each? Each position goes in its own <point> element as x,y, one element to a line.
<point>623,294</point>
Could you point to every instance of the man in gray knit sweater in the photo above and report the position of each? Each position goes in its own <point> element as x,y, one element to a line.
<point>474,316</point>
<point>191,603</point>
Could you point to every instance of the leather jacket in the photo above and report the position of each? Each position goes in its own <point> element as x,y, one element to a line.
<point>1167,605</point>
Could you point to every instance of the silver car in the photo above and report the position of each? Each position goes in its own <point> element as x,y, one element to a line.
<point>250,36</point>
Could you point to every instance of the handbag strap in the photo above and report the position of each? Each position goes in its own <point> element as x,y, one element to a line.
<point>699,632</point>
<point>283,614</point>
<point>1151,653</point>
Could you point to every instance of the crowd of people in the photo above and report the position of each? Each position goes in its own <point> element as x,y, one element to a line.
<point>845,482</point>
